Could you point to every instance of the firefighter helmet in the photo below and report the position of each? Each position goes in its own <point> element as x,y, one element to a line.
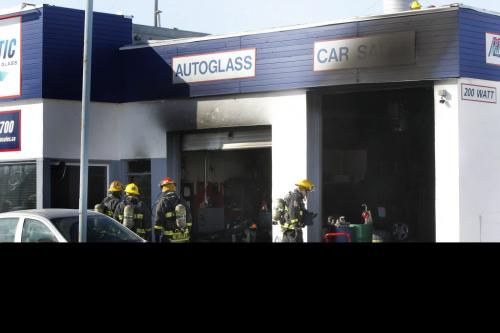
<point>115,186</point>
<point>415,5</point>
<point>132,189</point>
<point>167,181</point>
<point>305,184</point>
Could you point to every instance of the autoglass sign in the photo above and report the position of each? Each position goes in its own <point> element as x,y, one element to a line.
<point>365,52</point>
<point>10,130</point>
<point>214,66</point>
<point>492,49</point>
<point>10,57</point>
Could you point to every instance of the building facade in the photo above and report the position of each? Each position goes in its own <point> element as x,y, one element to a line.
<point>396,111</point>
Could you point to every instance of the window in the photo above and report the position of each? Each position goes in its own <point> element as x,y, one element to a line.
<point>36,232</point>
<point>99,229</point>
<point>8,229</point>
<point>65,185</point>
<point>139,173</point>
<point>18,184</point>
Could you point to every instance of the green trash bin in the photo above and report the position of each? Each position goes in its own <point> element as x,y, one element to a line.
<point>361,233</point>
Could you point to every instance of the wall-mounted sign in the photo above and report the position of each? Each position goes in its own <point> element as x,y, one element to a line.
<point>471,92</point>
<point>10,57</point>
<point>10,130</point>
<point>214,66</point>
<point>493,49</point>
<point>365,52</point>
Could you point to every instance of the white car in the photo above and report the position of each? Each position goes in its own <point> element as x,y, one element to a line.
<point>55,225</point>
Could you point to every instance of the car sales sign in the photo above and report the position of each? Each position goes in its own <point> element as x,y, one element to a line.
<point>10,130</point>
<point>10,57</point>
<point>214,66</point>
<point>365,52</point>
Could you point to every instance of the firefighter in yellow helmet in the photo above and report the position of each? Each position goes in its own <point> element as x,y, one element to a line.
<point>133,214</point>
<point>296,215</point>
<point>108,204</point>
<point>172,215</point>
<point>415,5</point>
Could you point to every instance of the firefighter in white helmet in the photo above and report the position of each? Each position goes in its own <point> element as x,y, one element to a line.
<point>132,213</point>
<point>172,215</point>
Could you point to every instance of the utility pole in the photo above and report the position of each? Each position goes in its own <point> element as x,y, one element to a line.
<point>156,13</point>
<point>84,163</point>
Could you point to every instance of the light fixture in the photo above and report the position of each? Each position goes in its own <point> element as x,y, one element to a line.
<point>444,96</point>
<point>25,4</point>
<point>246,145</point>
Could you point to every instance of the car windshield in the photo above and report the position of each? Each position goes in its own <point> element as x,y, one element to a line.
<point>99,229</point>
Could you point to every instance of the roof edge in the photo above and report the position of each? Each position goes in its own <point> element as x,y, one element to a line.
<point>452,7</point>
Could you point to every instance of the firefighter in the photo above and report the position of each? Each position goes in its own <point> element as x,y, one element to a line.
<point>132,213</point>
<point>172,215</point>
<point>415,5</point>
<point>297,216</point>
<point>109,203</point>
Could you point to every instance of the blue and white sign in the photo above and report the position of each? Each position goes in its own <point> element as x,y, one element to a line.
<point>214,66</point>
<point>10,57</point>
<point>365,52</point>
<point>10,131</point>
<point>475,93</point>
<point>492,49</point>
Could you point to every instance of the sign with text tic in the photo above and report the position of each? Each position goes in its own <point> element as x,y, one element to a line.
<point>10,130</point>
<point>10,57</point>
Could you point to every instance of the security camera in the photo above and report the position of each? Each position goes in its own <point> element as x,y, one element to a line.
<point>442,100</point>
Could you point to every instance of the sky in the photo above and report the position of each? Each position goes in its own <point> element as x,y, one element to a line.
<point>229,16</point>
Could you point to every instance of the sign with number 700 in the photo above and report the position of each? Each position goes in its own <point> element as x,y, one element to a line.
<point>10,131</point>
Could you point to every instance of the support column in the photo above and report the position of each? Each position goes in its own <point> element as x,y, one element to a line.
<point>289,155</point>
<point>315,162</point>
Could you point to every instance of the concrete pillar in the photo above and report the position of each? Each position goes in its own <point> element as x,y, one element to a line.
<point>289,156</point>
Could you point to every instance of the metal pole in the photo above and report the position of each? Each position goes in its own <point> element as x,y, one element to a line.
<point>156,13</point>
<point>84,163</point>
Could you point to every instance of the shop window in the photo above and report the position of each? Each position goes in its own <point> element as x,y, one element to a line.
<point>139,173</point>
<point>65,185</point>
<point>347,166</point>
<point>18,186</point>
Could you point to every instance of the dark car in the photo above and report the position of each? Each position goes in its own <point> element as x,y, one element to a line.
<point>60,226</point>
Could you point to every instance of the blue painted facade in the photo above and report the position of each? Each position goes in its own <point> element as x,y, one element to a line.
<point>52,54</point>
<point>63,54</point>
<point>449,44</point>
<point>473,27</point>
<point>285,59</point>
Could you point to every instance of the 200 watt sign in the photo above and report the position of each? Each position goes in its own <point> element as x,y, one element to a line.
<point>10,130</point>
<point>10,57</point>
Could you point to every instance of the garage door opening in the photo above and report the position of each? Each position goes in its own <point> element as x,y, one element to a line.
<point>227,181</point>
<point>378,150</point>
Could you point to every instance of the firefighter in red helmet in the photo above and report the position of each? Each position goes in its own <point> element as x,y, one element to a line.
<point>172,215</point>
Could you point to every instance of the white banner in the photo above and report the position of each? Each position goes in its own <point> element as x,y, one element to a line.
<point>492,49</point>
<point>214,66</point>
<point>10,57</point>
